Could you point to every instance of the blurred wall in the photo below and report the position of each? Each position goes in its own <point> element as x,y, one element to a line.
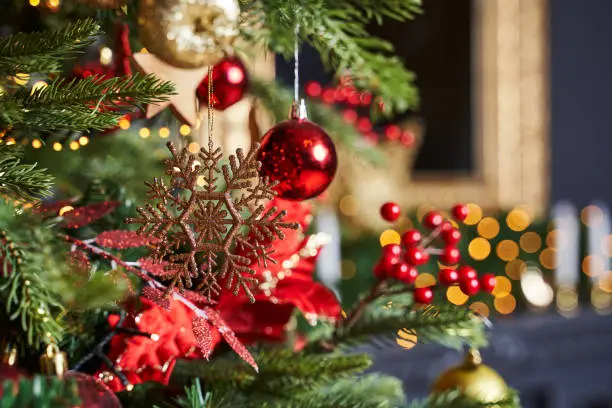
<point>581,100</point>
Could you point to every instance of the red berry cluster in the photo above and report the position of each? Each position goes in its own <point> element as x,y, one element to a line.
<point>400,262</point>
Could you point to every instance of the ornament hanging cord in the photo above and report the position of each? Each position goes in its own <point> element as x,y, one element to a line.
<point>210,108</point>
<point>296,64</point>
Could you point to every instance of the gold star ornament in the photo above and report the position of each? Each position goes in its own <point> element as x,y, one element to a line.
<point>183,102</point>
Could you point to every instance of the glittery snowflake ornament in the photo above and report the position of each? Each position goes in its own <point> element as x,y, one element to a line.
<point>211,220</point>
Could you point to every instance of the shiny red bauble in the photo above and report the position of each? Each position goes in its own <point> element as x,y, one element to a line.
<point>416,256</point>
<point>460,212</point>
<point>423,295</point>
<point>487,282</point>
<point>390,211</point>
<point>469,286</point>
<point>450,255</point>
<point>467,272</point>
<point>433,220</point>
<point>230,83</point>
<point>405,273</point>
<point>392,250</point>
<point>300,156</point>
<point>448,277</point>
<point>450,236</point>
<point>411,238</point>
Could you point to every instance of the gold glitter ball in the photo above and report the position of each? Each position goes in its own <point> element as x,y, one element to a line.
<point>188,33</point>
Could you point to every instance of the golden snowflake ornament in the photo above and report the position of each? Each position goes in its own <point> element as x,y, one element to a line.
<point>211,220</point>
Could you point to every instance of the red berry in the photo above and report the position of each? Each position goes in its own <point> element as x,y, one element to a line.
<point>433,220</point>
<point>460,212</point>
<point>469,286</point>
<point>388,263</point>
<point>379,271</point>
<point>392,250</point>
<point>448,277</point>
<point>405,273</point>
<point>451,236</point>
<point>467,272</point>
<point>416,256</point>
<point>487,282</point>
<point>411,238</point>
<point>450,255</point>
<point>390,211</point>
<point>446,225</point>
<point>423,295</point>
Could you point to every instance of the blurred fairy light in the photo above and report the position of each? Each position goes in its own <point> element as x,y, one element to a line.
<point>503,286</point>
<point>591,215</point>
<point>505,305</point>
<point>349,205</point>
<point>593,265</point>
<point>124,123</point>
<point>479,249</point>
<point>548,258</point>
<point>144,132</point>
<point>518,219</point>
<point>83,140</point>
<point>601,299</point>
<point>184,130</point>
<point>164,132</point>
<point>488,228</point>
<point>515,268</point>
<point>193,147</point>
<point>474,214</point>
<point>53,4</point>
<point>480,308</point>
<point>36,143</point>
<point>407,338</point>
<point>10,141</point>
<point>74,145</point>
<point>34,3</point>
<point>507,250</point>
<point>456,296</point>
<point>424,280</point>
<point>348,269</point>
<point>530,242</point>
<point>106,56</point>
<point>390,237</point>
<point>567,299</point>
<point>535,289</point>
<point>57,146</point>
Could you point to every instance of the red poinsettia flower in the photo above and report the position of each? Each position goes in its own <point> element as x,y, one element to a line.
<point>283,287</point>
<point>142,358</point>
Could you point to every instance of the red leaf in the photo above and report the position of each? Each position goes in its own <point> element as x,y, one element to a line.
<point>157,268</point>
<point>121,239</point>
<point>82,216</point>
<point>230,337</point>
<point>203,335</point>
<point>156,296</point>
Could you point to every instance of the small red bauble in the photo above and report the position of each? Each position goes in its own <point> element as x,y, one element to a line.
<point>390,211</point>
<point>450,255</point>
<point>433,220</point>
<point>300,156</point>
<point>460,212</point>
<point>229,84</point>
<point>487,282</point>
<point>448,277</point>
<point>469,286</point>
<point>467,272</point>
<point>416,256</point>
<point>388,264</point>
<point>411,238</point>
<point>405,273</point>
<point>423,295</point>
<point>392,250</point>
<point>451,236</point>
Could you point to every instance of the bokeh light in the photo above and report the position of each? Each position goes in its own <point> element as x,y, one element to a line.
<point>184,130</point>
<point>404,223</point>
<point>503,286</point>
<point>36,143</point>
<point>605,282</point>
<point>567,299</point>
<point>606,246</point>
<point>349,205</point>
<point>593,265</point>
<point>600,299</point>
<point>591,215</point>
<point>479,249</point>
<point>74,145</point>
<point>144,132</point>
<point>474,214</point>
<point>124,123</point>
<point>407,338</point>
<point>424,280</point>
<point>480,308</point>
<point>57,146</point>
<point>83,140</point>
<point>348,269</point>
<point>164,132</point>
<point>515,268</point>
<point>505,305</point>
<point>536,291</point>
<point>390,236</point>
<point>548,258</point>
<point>456,296</point>
<point>556,239</point>
<point>193,147</point>
<point>507,250</point>
<point>530,242</point>
<point>488,227</point>
<point>518,219</point>
<point>106,56</point>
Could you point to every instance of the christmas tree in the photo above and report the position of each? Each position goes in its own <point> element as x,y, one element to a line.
<point>122,286</point>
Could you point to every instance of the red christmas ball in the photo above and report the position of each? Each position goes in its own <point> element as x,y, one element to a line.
<point>405,273</point>
<point>451,236</point>
<point>416,256</point>
<point>487,282</point>
<point>460,212</point>
<point>433,220</point>
<point>448,277</point>
<point>300,156</point>
<point>450,255</point>
<point>392,250</point>
<point>230,82</point>
<point>93,392</point>
<point>467,272</point>
<point>423,295</point>
<point>390,211</point>
<point>411,238</point>
<point>469,286</point>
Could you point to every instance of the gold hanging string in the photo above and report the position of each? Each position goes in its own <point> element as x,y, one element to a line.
<point>210,107</point>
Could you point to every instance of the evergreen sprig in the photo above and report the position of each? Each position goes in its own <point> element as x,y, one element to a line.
<point>45,51</point>
<point>90,103</point>
<point>337,30</point>
<point>40,392</point>
<point>456,399</point>
<point>21,181</point>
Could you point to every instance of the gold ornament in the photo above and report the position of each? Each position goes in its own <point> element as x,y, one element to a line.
<point>188,33</point>
<point>104,4</point>
<point>474,380</point>
<point>54,361</point>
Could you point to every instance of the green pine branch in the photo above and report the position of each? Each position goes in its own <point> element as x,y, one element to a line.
<point>454,399</point>
<point>21,181</point>
<point>277,99</point>
<point>45,51</point>
<point>337,30</point>
<point>40,392</point>
<point>90,103</point>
